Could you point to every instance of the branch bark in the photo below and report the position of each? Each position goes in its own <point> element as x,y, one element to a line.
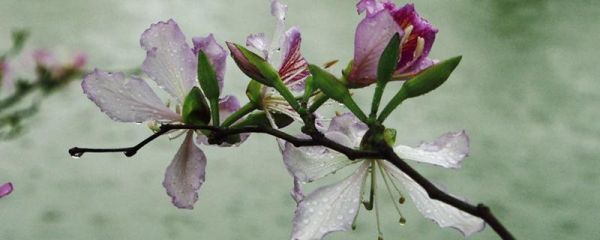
<point>316,139</point>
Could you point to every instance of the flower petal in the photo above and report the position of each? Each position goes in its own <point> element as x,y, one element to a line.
<point>296,192</point>
<point>125,100</point>
<point>350,126</point>
<point>216,54</point>
<point>259,42</point>
<point>185,174</point>
<point>6,189</point>
<point>330,208</point>
<point>446,151</point>
<point>311,163</point>
<point>294,67</point>
<point>169,59</point>
<point>413,53</point>
<point>371,6</point>
<point>441,213</point>
<point>372,35</point>
<point>278,10</point>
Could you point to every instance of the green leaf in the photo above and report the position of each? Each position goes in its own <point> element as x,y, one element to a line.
<point>389,60</point>
<point>260,119</point>
<point>423,83</point>
<point>207,77</point>
<point>19,37</point>
<point>195,110</point>
<point>387,65</point>
<point>335,90</point>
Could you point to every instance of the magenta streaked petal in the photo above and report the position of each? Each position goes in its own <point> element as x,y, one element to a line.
<point>185,175</point>
<point>259,42</point>
<point>6,189</point>
<point>278,9</point>
<point>441,213</point>
<point>421,28</point>
<point>125,99</point>
<point>169,59</point>
<point>294,67</point>
<point>215,53</point>
<point>372,35</point>
<point>330,208</point>
<point>448,150</point>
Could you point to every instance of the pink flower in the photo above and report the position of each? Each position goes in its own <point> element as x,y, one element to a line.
<point>383,20</point>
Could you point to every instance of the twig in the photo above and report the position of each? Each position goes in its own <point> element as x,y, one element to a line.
<point>317,139</point>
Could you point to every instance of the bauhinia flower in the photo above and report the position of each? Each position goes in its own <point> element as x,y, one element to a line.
<point>293,68</point>
<point>6,189</point>
<point>48,63</point>
<point>383,19</point>
<point>334,207</point>
<point>172,65</point>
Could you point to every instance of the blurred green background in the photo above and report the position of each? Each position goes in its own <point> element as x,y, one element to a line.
<point>526,92</point>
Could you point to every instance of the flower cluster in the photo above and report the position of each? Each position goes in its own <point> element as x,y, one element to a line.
<point>391,43</point>
<point>31,72</point>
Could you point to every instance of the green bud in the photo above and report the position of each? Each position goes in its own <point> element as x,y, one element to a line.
<point>431,78</point>
<point>195,110</point>
<point>423,83</point>
<point>389,135</point>
<point>254,92</point>
<point>335,90</point>
<point>253,65</point>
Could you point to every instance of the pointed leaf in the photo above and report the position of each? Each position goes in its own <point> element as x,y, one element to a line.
<point>195,110</point>
<point>207,77</point>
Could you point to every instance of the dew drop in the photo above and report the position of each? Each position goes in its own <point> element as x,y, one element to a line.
<point>75,153</point>
<point>402,221</point>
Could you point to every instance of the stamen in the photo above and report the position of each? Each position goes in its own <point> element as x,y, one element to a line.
<point>330,63</point>
<point>178,133</point>
<point>401,200</point>
<point>407,31</point>
<point>375,202</point>
<point>178,109</point>
<point>389,190</point>
<point>420,47</point>
<point>369,204</point>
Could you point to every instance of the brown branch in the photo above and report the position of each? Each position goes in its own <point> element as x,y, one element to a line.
<point>318,139</point>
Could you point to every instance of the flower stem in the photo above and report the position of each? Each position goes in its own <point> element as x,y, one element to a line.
<point>243,111</point>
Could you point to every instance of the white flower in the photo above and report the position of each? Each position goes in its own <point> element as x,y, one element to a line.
<point>334,207</point>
